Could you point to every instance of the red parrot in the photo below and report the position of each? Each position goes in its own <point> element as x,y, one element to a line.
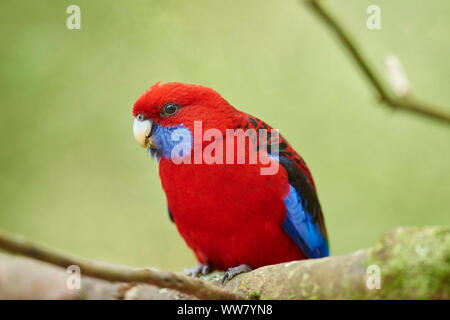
<point>233,217</point>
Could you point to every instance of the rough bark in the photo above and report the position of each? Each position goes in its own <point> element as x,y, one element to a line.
<point>414,264</point>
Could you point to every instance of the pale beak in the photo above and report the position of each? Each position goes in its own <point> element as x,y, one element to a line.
<point>141,131</point>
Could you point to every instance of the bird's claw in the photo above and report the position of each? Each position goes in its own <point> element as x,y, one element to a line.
<point>199,269</point>
<point>233,272</point>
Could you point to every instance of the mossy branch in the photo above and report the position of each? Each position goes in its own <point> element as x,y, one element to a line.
<point>406,102</point>
<point>414,263</point>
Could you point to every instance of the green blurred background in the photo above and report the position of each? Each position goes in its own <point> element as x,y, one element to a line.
<point>73,177</point>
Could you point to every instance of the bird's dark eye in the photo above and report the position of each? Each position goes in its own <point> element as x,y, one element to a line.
<point>170,109</point>
<point>140,117</point>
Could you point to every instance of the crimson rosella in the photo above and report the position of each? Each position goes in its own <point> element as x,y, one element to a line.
<point>231,214</point>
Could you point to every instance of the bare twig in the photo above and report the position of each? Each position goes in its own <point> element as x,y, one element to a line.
<point>164,279</point>
<point>406,103</point>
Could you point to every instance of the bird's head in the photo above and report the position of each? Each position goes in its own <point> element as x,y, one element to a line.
<point>171,106</point>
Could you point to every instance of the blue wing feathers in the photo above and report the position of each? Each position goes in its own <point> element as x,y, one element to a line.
<point>300,226</point>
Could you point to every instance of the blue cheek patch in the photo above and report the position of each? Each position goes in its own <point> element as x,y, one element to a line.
<point>177,140</point>
<point>300,227</point>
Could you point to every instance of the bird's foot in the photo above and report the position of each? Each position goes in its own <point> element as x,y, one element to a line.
<point>233,272</point>
<point>200,269</point>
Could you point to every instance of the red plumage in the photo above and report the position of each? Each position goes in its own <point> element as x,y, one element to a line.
<point>228,214</point>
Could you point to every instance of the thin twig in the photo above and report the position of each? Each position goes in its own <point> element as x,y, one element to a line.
<point>164,279</point>
<point>404,103</point>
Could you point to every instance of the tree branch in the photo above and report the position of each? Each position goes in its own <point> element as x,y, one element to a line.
<point>413,263</point>
<point>407,103</point>
<point>164,279</point>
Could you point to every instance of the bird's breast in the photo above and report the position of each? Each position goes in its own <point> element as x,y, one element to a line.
<point>198,194</point>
